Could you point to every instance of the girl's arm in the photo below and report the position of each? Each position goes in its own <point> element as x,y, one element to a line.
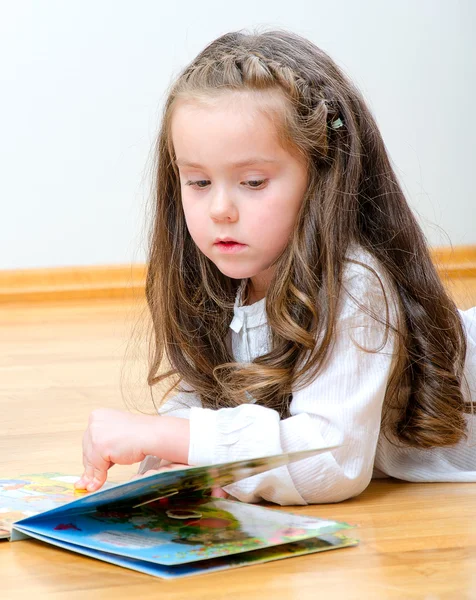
<point>178,405</point>
<point>341,406</point>
<point>117,437</point>
<point>445,463</point>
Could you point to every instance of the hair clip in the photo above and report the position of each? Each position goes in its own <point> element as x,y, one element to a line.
<point>337,123</point>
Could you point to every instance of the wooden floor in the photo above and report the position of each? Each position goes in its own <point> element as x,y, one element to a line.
<point>59,361</point>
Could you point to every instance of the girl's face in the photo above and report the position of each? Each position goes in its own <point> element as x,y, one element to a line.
<point>237,182</point>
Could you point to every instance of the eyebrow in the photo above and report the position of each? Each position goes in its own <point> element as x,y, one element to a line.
<point>242,163</point>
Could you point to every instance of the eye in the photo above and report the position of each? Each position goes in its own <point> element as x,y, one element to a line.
<point>256,184</point>
<point>200,184</point>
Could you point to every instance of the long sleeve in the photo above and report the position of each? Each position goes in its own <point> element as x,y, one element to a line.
<point>341,406</point>
<point>446,463</point>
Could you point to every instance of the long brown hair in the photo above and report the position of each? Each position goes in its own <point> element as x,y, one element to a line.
<point>353,198</point>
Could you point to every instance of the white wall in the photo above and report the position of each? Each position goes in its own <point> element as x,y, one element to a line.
<point>82,83</point>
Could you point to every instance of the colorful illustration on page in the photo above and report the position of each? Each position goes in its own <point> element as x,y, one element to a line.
<point>29,495</point>
<point>178,530</point>
<point>189,481</point>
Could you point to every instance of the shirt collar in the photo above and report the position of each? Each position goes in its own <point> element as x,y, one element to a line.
<point>253,315</point>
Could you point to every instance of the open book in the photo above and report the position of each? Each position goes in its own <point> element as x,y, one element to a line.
<point>166,524</point>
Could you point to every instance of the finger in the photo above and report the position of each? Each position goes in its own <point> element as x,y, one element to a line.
<point>87,476</point>
<point>81,483</point>
<point>218,492</point>
<point>84,480</point>
<point>95,476</point>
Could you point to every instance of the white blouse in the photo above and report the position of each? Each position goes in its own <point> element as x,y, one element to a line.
<point>343,405</point>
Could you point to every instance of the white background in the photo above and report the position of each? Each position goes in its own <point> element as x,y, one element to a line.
<point>82,85</point>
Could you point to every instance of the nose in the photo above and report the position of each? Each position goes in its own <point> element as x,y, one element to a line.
<point>222,207</point>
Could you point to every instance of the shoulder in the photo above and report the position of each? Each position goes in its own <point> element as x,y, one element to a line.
<point>468,318</point>
<point>367,288</point>
<point>365,276</point>
<point>363,270</point>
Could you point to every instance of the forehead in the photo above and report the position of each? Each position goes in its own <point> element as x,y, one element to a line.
<point>227,128</point>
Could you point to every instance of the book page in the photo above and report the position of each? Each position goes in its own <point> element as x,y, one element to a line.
<point>178,531</point>
<point>29,495</point>
<point>184,482</point>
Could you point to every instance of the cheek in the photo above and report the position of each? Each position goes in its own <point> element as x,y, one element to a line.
<point>273,220</point>
<point>194,216</point>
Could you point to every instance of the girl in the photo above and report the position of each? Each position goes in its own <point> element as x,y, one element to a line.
<point>291,290</point>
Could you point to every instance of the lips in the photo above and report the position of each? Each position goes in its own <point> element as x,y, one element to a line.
<point>228,245</point>
<point>226,240</point>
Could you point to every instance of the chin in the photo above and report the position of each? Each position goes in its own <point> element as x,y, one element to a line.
<point>235,271</point>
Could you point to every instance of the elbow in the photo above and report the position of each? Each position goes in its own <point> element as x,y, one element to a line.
<point>350,489</point>
<point>342,488</point>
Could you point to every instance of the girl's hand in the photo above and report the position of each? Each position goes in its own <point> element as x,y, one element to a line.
<point>114,437</point>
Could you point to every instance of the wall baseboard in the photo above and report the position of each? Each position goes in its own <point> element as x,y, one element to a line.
<point>72,283</point>
<point>122,282</point>
<point>457,261</point>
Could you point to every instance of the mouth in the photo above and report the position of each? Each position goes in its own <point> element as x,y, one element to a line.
<point>229,245</point>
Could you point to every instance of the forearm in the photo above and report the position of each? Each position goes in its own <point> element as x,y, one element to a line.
<point>169,439</point>
<point>250,431</point>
